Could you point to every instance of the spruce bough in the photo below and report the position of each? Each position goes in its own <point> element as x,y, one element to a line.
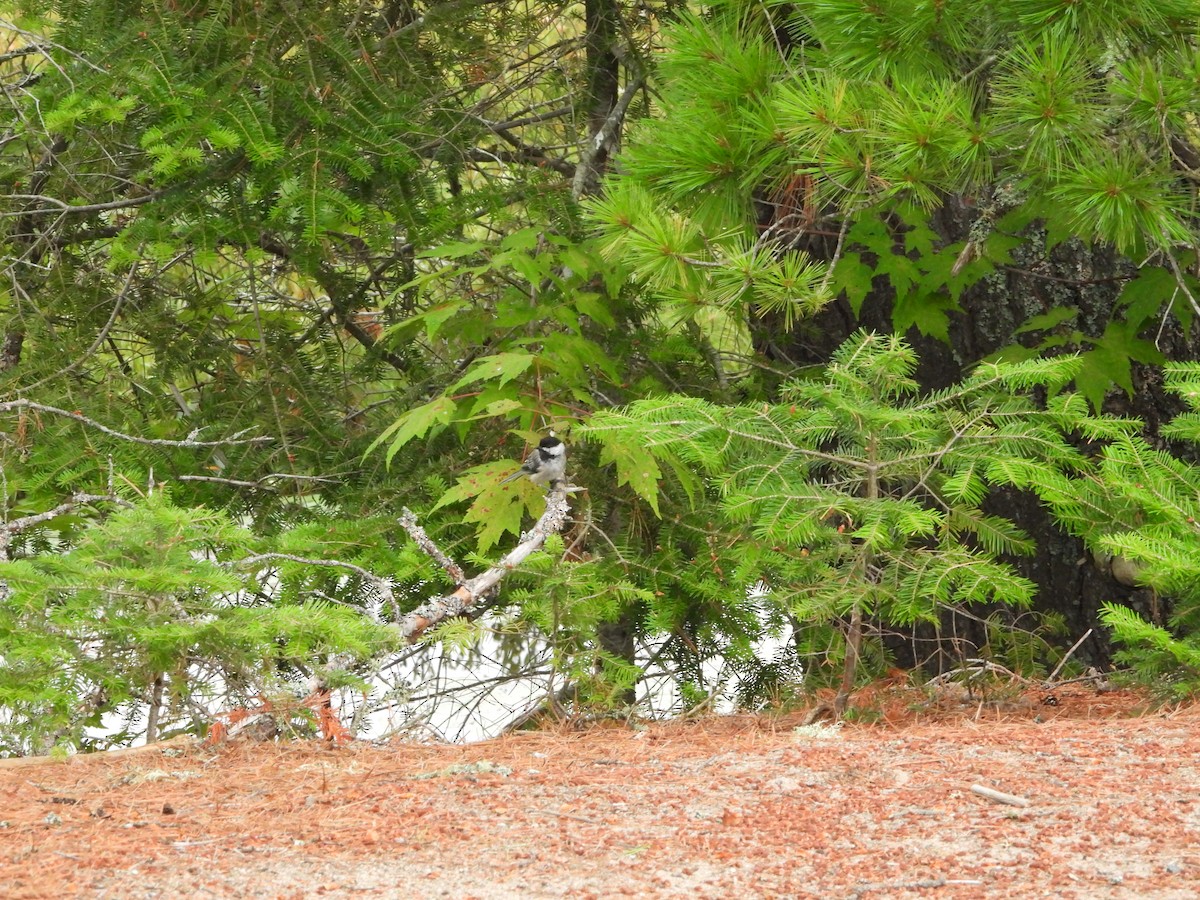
<point>860,500</point>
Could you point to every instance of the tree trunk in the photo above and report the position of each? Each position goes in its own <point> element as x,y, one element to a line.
<point>10,350</point>
<point>156,697</point>
<point>854,635</point>
<point>617,639</point>
<point>1072,274</point>
<point>601,20</point>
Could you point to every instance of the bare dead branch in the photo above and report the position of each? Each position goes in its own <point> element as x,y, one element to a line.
<point>43,43</point>
<point>236,438</point>
<point>523,154</point>
<point>176,743</point>
<point>408,521</point>
<point>603,140</point>
<point>1062,662</point>
<point>8,529</point>
<point>436,610</point>
<point>57,205</point>
<point>381,584</point>
<point>27,50</point>
<point>262,483</point>
<point>974,669</point>
<point>557,113</point>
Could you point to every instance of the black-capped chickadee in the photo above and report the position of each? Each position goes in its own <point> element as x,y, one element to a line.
<point>546,465</point>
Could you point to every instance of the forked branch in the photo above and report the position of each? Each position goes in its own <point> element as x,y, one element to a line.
<point>438,609</point>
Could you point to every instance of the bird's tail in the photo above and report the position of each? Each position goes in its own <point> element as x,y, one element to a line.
<point>513,477</point>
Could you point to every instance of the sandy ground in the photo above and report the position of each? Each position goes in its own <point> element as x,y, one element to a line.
<point>743,806</point>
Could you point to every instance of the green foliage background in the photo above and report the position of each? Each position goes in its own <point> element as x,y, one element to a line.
<point>324,263</point>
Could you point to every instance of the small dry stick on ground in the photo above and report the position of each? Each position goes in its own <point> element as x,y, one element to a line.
<point>998,796</point>
<point>975,669</point>
<point>886,887</point>
<point>1062,662</point>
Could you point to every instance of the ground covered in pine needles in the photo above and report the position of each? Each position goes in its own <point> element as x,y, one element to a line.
<point>740,806</point>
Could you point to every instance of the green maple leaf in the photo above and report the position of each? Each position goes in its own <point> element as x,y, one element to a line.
<point>635,467</point>
<point>500,508</point>
<point>854,277</point>
<point>1145,295</point>
<point>1110,362</point>
<point>416,423</point>
<point>929,312</point>
<point>502,366</point>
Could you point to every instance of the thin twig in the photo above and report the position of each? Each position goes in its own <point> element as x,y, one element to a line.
<point>1181,280</point>
<point>27,50</point>
<point>1091,676</point>
<point>1062,662</point>
<point>837,254</point>
<point>998,796</point>
<point>381,584</point>
<point>408,521</point>
<point>260,483</point>
<point>236,438</point>
<point>65,208</point>
<point>974,668</point>
<point>42,42</point>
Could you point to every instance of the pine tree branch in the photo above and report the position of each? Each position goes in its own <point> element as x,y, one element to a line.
<point>341,301</point>
<point>437,609</point>
<point>100,338</point>
<point>8,529</point>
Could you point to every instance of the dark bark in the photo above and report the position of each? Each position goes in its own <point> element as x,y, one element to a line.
<point>601,21</point>
<point>10,350</point>
<point>617,639</point>
<point>1072,274</point>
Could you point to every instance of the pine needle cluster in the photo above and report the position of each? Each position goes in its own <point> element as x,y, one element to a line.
<point>860,500</point>
<point>1141,506</point>
<point>148,613</point>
